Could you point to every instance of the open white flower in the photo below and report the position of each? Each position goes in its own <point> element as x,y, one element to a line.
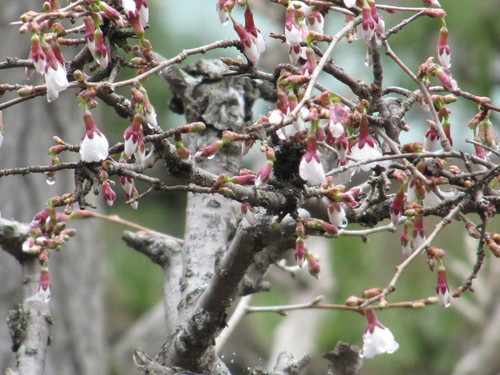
<point>378,340</point>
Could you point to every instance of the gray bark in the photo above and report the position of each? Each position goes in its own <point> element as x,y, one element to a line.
<point>77,337</point>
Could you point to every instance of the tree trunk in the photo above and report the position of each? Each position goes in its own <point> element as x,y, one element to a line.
<point>77,338</point>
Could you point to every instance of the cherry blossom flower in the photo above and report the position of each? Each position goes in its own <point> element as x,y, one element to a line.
<point>442,288</point>
<point>336,214</point>
<point>396,208</point>
<point>252,47</point>
<point>366,147</point>
<point>55,73</point>
<point>128,186</point>
<point>265,171</point>
<point>108,193</point>
<point>312,265</point>
<point>94,146</point>
<point>37,54</point>
<point>112,14</point>
<point>443,48</point>
<point>248,213</point>
<point>134,139</point>
<point>300,251</point>
<point>315,22</point>
<point>44,285</point>
<point>368,24</point>
<point>377,338</point>
<point>446,79</point>
<point>96,42</point>
<point>310,168</point>
<point>431,137</point>
<point>294,23</point>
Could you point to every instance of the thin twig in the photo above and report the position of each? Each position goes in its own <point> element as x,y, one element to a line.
<point>391,287</point>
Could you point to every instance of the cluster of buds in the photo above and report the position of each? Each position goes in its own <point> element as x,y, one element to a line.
<point>107,191</point>
<point>431,69</point>
<point>251,40</point>
<point>302,253</point>
<point>484,133</point>
<point>130,190</point>
<point>48,232</point>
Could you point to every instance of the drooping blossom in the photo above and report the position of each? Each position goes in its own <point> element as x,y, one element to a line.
<point>251,49</point>
<point>55,72</point>
<point>135,18</point>
<point>366,147</point>
<point>446,79</point>
<point>108,193</point>
<point>44,285</point>
<point>37,54</point>
<point>300,251</point>
<point>134,139</point>
<point>431,137</point>
<point>377,339</point>
<point>312,265</point>
<point>336,213</point>
<point>96,42</point>
<point>294,26</point>
<point>265,171</point>
<point>442,288</point>
<point>94,146</point>
<point>310,167</point>
<point>396,208</point>
<point>368,24</point>
<point>248,213</point>
<point>315,22</point>
<point>112,14</point>
<point>443,49</point>
<point>128,186</point>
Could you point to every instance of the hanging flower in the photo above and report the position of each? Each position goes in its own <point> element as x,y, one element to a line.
<point>94,146</point>
<point>96,42</point>
<point>443,49</point>
<point>129,189</point>
<point>44,285</point>
<point>134,139</point>
<point>252,47</point>
<point>266,170</point>
<point>37,54</point>
<point>377,338</point>
<point>293,26</point>
<point>108,193</point>
<point>300,251</point>
<point>336,214</point>
<point>55,73</point>
<point>310,168</point>
<point>366,147</point>
<point>442,288</point>
<point>248,213</point>
<point>312,265</point>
